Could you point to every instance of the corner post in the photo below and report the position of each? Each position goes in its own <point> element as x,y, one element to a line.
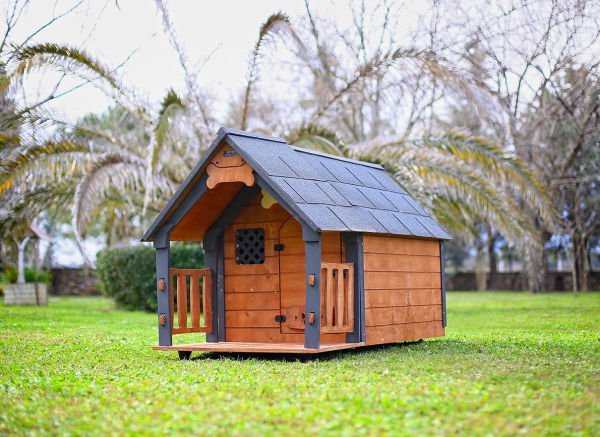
<point>163,292</point>
<point>212,253</point>
<point>353,248</point>
<point>312,251</point>
<point>443,282</point>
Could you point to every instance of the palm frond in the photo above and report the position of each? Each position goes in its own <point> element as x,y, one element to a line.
<point>111,171</point>
<point>317,138</point>
<point>22,158</point>
<point>277,23</point>
<point>65,57</point>
<point>171,104</point>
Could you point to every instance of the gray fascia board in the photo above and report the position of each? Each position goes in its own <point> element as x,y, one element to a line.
<point>243,133</point>
<point>149,234</point>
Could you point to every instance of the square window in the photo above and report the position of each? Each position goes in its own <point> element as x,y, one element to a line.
<point>250,246</point>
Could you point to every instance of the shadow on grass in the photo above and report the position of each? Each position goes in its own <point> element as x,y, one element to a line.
<point>289,357</point>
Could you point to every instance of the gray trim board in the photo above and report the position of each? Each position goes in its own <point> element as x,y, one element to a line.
<point>221,288</point>
<point>211,255</point>
<point>443,273</point>
<point>161,244</point>
<point>243,133</point>
<point>312,260</point>
<point>353,248</point>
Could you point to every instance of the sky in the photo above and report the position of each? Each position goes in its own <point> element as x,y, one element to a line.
<point>218,34</point>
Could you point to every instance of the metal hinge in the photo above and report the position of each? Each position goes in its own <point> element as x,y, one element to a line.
<point>279,247</point>
<point>280,318</point>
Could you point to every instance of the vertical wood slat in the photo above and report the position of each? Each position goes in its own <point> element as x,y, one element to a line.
<point>341,299</point>
<point>171,297</point>
<point>182,300</point>
<point>328,296</point>
<point>194,300</point>
<point>337,301</point>
<point>349,291</point>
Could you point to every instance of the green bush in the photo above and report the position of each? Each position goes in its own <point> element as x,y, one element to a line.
<point>128,274</point>
<point>32,274</point>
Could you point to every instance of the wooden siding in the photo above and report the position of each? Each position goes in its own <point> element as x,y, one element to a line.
<point>256,293</point>
<point>403,293</point>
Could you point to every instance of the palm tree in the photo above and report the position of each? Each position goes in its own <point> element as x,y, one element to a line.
<point>102,168</point>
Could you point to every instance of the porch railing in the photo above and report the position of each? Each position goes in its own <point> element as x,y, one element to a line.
<point>198,302</point>
<point>337,297</point>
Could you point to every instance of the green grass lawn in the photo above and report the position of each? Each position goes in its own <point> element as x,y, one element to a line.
<point>511,363</point>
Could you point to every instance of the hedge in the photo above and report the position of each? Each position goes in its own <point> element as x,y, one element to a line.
<point>128,274</point>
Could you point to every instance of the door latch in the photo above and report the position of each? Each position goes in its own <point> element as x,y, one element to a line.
<point>280,318</point>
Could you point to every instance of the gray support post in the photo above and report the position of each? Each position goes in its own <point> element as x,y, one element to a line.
<point>353,248</point>
<point>211,255</point>
<point>443,273</point>
<point>312,251</point>
<point>221,286</point>
<point>161,244</point>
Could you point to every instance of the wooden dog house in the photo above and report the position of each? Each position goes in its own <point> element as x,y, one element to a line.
<point>304,253</point>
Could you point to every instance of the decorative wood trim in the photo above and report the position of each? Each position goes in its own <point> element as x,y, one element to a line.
<point>218,175</point>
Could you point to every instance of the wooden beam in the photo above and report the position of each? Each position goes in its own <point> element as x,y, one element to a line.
<point>354,253</point>
<point>161,244</point>
<point>211,254</point>
<point>443,281</point>
<point>312,250</point>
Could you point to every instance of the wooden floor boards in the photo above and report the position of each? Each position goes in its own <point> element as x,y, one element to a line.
<point>272,348</point>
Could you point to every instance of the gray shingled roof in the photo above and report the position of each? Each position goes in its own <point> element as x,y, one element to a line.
<point>328,192</point>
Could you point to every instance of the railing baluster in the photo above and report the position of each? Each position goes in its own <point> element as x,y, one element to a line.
<point>182,300</point>
<point>172,297</point>
<point>330,299</point>
<point>341,298</point>
<point>349,282</point>
<point>195,299</point>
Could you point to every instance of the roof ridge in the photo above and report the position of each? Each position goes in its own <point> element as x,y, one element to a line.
<point>248,134</point>
<point>337,158</point>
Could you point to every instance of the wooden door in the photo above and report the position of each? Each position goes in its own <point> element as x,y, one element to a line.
<point>252,289</point>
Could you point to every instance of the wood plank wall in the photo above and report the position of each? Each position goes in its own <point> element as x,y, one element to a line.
<point>293,272</point>
<point>252,292</point>
<point>402,289</point>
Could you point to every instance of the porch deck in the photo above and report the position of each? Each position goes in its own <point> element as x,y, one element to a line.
<point>271,348</point>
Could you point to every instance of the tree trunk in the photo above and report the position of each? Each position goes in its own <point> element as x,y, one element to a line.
<point>480,273</point>
<point>21,260</point>
<point>579,255</point>
<point>492,259</point>
<point>585,264</point>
